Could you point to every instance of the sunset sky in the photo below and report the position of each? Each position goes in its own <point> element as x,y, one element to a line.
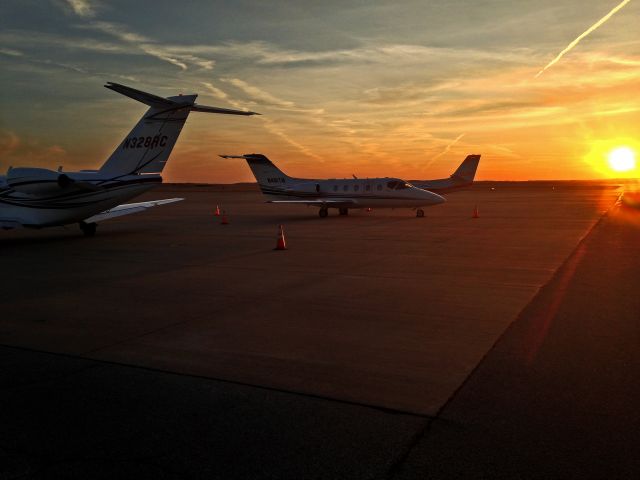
<point>404,88</point>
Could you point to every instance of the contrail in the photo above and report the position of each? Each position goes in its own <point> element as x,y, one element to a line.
<point>446,149</point>
<point>587,32</point>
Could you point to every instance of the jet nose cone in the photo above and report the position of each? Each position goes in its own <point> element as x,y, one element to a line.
<point>438,198</point>
<point>434,198</point>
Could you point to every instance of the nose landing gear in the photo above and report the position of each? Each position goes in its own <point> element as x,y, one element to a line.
<point>324,211</point>
<point>419,213</point>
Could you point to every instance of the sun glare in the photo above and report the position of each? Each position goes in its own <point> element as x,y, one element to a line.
<point>622,159</point>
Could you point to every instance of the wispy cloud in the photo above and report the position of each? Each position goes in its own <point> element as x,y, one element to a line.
<point>278,130</point>
<point>82,8</point>
<point>270,125</point>
<point>219,94</point>
<point>270,55</point>
<point>258,94</point>
<point>584,34</point>
<point>22,38</point>
<point>10,52</point>
<point>149,46</point>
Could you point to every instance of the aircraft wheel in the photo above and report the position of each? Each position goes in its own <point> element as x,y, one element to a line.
<point>88,229</point>
<point>344,211</point>
<point>323,212</point>
<point>419,213</point>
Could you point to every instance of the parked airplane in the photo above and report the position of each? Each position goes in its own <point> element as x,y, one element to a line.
<point>461,178</point>
<point>38,197</point>
<point>334,193</point>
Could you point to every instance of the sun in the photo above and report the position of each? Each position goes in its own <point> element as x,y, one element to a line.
<point>622,159</point>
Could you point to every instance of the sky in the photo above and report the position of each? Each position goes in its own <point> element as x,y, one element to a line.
<point>543,90</point>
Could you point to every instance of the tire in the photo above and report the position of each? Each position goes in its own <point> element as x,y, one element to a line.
<point>344,211</point>
<point>88,229</point>
<point>419,213</point>
<point>323,212</point>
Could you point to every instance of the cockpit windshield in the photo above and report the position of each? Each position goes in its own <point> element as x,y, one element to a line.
<point>398,185</point>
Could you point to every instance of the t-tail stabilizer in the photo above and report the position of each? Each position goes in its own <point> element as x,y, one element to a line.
<point>147,147</point>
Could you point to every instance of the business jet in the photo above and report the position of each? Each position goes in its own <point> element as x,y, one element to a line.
<point>342,194</point>
<point>460,179</point>
<point>38,197</point>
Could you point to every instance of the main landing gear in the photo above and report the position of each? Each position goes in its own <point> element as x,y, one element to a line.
<point>419,213</point>
<point>88,229</point>
<point>324,211</point>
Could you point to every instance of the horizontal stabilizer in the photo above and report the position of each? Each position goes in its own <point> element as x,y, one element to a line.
<point>226,111</point>
<point>128,208</point>
<point>166,103</point>
<point>139,95</point>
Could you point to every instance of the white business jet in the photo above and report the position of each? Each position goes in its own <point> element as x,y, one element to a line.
<point>38,197</point>
<point>335,193</point>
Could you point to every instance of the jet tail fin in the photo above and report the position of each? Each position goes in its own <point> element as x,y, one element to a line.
<point>461,178</point>
<point>466,172</point>
<point>270,178</point>
<point>147,147</point>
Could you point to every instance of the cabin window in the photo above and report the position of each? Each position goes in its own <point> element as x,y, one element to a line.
<point>317,188</point>
<point>356,188</point>
<point>345,188</point>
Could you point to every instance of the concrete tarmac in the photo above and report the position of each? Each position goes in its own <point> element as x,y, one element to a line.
<point>557,396</point>
<point>329,360</point>
<point>383,309</point>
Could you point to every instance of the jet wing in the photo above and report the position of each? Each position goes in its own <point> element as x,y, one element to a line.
<point>127,208</point>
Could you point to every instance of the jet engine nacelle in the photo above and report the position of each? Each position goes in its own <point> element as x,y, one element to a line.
<point>37,181</point>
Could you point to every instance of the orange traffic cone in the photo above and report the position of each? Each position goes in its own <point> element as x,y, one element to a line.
<point>225,220</point>
<point>476,213</point>
<point>281,244</point>
<point>217,214</point>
